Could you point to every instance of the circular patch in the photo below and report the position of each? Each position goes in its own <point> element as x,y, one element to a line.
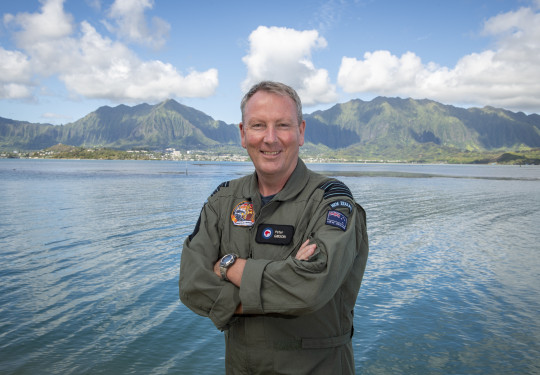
<point>267,233</point>
<point>243,215</point>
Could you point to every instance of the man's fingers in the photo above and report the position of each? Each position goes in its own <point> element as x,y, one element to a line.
<point>306,250</point>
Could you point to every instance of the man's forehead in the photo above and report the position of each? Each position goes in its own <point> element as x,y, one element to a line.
<point>258,106</point>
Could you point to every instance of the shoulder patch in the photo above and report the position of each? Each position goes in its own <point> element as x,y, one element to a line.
<point>341,203</point>
<point>222,185</point>
<point>335,188</point>
<point>337,219</point>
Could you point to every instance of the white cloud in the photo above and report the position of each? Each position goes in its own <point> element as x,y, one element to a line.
<point>15,75</point>
<point>507,76</point>
<point>45,37</point>
<point>328,14</point>
<point>55,116</point>
<point>131,24</point>
<point>283,54</point>
<point>94,4</point>
<point>88,63</point>
<point>122,76</point>
<point>51,24</point>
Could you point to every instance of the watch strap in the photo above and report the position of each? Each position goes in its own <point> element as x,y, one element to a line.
<point>223,271</point>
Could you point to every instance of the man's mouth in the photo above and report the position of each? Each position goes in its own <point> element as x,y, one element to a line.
<point>270,153</point>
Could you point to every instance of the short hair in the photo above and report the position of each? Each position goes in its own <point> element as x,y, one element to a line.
<point>277,88</point>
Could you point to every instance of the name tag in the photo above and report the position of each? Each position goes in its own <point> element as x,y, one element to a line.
<point>274,234</point>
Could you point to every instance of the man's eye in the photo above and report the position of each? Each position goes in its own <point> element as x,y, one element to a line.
<point>256,126</point>
<point>284,126</point>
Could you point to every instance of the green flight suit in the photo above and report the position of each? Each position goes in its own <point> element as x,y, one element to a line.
<point>297,315</point>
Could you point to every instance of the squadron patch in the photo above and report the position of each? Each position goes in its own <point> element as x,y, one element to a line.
<point>274,234</point>
<point>337,219</point>
<point>243,215</point>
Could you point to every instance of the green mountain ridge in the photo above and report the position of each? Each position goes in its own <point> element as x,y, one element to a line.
<point>167,124</point>
<point>407,122</point>
<point>384,127</point>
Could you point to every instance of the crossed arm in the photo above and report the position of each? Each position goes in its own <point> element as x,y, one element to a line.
<point>235,272</point>
<point>320,265</point>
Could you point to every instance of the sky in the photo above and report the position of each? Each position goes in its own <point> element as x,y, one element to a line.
<point>63,59</point>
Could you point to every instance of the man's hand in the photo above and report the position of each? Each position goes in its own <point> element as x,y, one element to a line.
<point>305,251</point>
<point>234,272</point>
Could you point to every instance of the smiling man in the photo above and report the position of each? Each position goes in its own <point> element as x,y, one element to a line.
<point>276,258</point>
<point>272,133</point>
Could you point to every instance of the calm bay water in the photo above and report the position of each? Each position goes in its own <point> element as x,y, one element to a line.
<point>89,255</point>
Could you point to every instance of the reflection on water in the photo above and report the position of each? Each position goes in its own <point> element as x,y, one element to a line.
<point>90,252</point>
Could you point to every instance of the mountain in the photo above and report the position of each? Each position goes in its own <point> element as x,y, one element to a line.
<point>388,124</point>
<point>406,122</point>
<point>22,135</point>
<point>167,124</point>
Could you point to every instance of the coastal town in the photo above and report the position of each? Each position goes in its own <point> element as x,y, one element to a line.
<point>71,152</point>
<point>308,154</point>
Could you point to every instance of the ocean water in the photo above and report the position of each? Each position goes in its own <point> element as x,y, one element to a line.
<point>90,251</point>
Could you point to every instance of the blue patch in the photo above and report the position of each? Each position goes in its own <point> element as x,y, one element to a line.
<point>337,219</point>
<point>338,204</point>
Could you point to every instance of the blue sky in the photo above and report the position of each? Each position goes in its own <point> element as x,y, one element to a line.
<point>60,60</point>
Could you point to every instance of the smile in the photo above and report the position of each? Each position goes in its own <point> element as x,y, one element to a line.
<point>270,153</point>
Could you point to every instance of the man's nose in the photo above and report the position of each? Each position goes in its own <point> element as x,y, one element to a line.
<point>270,135</point>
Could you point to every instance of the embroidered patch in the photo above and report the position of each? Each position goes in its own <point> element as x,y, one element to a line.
<point>274,234</point>
<point>243,214</point>
<point>337,204</point>
<point>337,219</point>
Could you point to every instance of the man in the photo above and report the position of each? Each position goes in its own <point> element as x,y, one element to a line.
<point>276,258</point>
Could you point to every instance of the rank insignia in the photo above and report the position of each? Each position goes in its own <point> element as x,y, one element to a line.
<point>243,215</point>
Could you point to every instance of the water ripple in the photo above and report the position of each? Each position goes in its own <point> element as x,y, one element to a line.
<point>90,254</point>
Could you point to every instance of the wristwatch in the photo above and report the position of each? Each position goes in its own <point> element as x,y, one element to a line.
<point>225,262</point>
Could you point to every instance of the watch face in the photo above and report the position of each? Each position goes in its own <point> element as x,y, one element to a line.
<point>226,259</point>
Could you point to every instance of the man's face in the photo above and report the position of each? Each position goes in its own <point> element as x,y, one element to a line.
<point>271,135</point>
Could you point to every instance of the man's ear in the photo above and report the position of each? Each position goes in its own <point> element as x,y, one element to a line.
<point>242,135</point>
<point>302,130</point>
